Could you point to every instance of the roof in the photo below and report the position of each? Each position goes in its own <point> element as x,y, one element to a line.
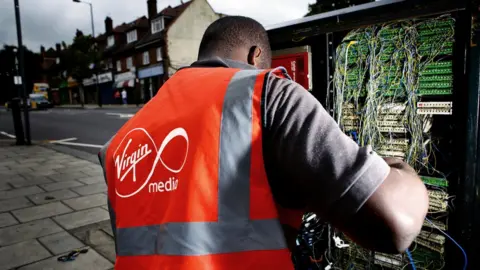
<point>151,38</point>
<point>173,11</point>
<point>125,27</point>
<point>141,22</point>
<point>169,11</point>
<point>332,14</point>
<point>50,53</point>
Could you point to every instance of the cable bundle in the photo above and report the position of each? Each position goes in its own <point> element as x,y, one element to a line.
<point>385,77</point>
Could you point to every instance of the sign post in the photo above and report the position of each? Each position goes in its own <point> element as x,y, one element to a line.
<point>21,65</point>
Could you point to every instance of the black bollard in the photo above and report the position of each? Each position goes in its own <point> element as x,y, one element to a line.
<point>17,121</point>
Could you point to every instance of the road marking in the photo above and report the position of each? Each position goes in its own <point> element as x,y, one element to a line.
<point>64,140</point>
<point>122,115</point>
<point>8,135</point>
<point>78,144</point>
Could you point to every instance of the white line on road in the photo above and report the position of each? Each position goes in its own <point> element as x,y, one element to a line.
<point>8,135</point>
<point>78,144</point>
<point>122,115</point>
<point>64,140</point>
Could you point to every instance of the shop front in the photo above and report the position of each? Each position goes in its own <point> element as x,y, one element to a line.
<point>125,81</point>
<point>69,92</point>
<point>151,79</point>
<point>105,85</point>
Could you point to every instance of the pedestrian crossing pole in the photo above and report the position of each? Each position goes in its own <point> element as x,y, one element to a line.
<point>21,64</point>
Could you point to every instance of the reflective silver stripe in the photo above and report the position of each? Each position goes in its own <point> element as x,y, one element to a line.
<point>234,231</point>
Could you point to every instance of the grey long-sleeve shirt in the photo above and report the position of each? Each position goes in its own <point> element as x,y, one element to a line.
<point>308,159</point>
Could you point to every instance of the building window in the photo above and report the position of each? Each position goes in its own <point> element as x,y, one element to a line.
<point>129,62</point>
<point>110,64</point>
<point>119,66</point>
<point>159,54</point>
<point>157,25</point>
<point>110,41</point>
<point>57,60</point>
<point>132,36</point>
<point>146,58</point>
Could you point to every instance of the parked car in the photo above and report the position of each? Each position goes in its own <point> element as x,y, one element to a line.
<point>35,101</point>
<point>39,101</point>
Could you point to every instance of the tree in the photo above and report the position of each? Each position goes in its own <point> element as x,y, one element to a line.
<point>8,70</point>
<point>77,60</point>
<point>321,6</point>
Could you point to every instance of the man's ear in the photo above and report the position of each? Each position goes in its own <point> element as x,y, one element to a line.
<point>254,56</point>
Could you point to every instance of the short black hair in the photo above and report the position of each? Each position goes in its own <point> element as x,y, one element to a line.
<point>227,34</point>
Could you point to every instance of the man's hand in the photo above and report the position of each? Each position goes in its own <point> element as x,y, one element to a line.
<point>393,216</point>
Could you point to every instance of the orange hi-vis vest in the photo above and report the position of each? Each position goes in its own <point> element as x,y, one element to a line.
<point>186,181</point>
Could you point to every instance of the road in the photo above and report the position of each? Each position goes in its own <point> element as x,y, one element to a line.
<point>82,129</point>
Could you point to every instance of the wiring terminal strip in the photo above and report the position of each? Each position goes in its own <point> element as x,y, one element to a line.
<point>392,108</point>
<point>388,148</point>
<point>388,260</point>
<point>430,245</point>
<point>439,108</point>
<point>392,129</point>
<point>385,77</point>
<point>401,142</point>
<point>438,224</point>
<point>434,181</point>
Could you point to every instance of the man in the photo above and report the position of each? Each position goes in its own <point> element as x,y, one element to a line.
<point>204,174</point>
<point>124,97</point>
<point>117,97</point>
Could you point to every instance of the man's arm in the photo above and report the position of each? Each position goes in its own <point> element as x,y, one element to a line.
<point>313,164</point>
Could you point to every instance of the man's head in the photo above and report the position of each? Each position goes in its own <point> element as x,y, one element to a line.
<point>237,38</point>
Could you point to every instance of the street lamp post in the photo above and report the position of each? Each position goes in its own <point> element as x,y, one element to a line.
<point>99,96</point>
<point>22,71</point>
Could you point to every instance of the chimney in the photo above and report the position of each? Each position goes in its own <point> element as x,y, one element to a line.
<point>42,50</point>
<point>152,8</point>
<point>58,47</point>
<point>108,25</point>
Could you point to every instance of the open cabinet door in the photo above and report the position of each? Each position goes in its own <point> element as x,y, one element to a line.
<point>297,62</point>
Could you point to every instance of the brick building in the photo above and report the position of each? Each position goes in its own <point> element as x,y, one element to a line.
<point>139,56</point>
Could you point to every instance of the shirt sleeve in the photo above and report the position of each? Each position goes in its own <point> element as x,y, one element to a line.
<point>309,160</point>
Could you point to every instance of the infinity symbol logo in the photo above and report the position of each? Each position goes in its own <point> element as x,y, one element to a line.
<point>145,154</point>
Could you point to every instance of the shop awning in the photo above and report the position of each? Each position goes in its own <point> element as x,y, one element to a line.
<point>127,83</point>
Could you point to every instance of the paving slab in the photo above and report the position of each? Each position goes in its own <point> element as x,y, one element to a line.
<point>53,196</point>
<point>41,211</point>
<point>8,162</point>
<point>61,185</point>
<point>21,254</point>
<point>6,219</point>
<point>60,242</point>
<point>90,260</point>
<point>5,186</point>
<point>101,242</point>
<point>82,218</point>
<point>90,180</point>
<point>90,189</point>
<point>8,194</point>
<point>108,230</point>
<point>29,181</point>
<point>26,231</point>
<point>15,203</point>
<point>22,165</point>
<point>88,201</point>
<point>59,177</point>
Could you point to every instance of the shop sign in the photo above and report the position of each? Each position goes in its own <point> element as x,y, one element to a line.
<point>102,78</point>
<point>125,76</point>
<point>151,71</point>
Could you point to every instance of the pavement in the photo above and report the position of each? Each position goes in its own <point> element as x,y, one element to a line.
<point>52,200</point>
<point>86,130</point>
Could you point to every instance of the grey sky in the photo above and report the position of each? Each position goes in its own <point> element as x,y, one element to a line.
<point>49,21</point>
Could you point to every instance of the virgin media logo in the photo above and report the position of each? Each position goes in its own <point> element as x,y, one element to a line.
<point>137,158</point>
